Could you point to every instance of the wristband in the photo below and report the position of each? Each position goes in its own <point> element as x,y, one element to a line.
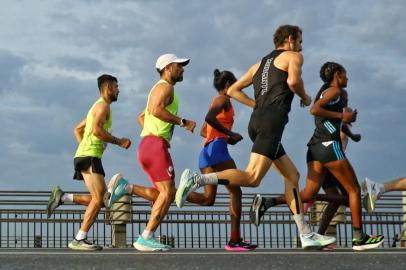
<point>182,122</point>
<point>114,140</point>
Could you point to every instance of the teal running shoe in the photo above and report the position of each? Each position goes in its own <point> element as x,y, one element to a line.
<point>115,190</point>
<point>188,184</point>
<point>150,245</point>
<point>54,201</point>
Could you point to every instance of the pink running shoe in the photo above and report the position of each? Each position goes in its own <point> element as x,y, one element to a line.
<point>306,206</point>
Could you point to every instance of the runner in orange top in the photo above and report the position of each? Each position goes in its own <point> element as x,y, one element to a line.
<point>215,157</point>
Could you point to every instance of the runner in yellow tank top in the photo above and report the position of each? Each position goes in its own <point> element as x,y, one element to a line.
<point>158,121</point>
<point>92,135</point>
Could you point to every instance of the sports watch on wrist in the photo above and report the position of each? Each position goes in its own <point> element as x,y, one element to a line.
<point>183,122</point>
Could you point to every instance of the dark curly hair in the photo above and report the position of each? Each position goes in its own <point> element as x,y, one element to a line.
<point>327,72</point>
<point>283,32</point>
<point>328,69</point>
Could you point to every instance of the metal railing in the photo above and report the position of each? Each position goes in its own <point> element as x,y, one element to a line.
<point>23,223</point>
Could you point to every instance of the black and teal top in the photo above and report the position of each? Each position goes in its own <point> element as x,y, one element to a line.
<point>328,129</point>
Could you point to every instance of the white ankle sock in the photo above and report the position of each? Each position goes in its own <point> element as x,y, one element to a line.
<point>208,179</point>
<point>129,189</point>
<point>147,234</point>
<point>382,188</point>
<point>67,197</point>
<point>301,224</point>
<point>81,235</point>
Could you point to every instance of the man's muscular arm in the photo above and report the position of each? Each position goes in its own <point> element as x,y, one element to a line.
<point>295,80</point>
<point>141,118</point>
<point>160,98</point>
<point>100,113</point>
<point>79,131</point>
<point>235,91</point>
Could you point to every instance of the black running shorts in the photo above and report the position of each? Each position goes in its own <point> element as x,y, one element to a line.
<point>265,130</point>
<point>83,163</point>
<point>325,152</point>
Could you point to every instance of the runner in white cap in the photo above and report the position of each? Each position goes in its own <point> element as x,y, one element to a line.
<point>158,121</point>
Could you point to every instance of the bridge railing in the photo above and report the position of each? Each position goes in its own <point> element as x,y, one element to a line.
<point>23,223</point>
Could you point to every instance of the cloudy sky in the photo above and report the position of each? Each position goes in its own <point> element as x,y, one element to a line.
<point>52,51</point>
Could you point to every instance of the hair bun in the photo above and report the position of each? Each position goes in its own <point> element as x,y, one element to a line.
<point>216,72</point>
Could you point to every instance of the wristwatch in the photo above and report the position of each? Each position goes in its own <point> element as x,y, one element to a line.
<point>183,122</point>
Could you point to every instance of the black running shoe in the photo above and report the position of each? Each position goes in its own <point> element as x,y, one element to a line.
<point>257,209</point>
<point>54,201</point>
<point>240,245</point>
<point>369,241</point>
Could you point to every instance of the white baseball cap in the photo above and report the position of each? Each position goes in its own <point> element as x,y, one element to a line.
<point>167,59</point>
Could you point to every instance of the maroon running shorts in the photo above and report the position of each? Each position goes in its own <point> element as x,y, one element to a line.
<point>155,159</point>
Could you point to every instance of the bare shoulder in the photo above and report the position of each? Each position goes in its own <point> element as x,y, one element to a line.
<point>222,99</point>
<point>163,88</point>
<point>295,56</point>
<point>102,106</point>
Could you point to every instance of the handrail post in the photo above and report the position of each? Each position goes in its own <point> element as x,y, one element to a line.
<point>119,228</point>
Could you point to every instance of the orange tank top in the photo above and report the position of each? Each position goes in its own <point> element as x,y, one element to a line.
<point>226,118</point>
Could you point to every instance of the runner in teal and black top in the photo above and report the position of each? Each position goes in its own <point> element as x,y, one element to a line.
<point>325,150</point>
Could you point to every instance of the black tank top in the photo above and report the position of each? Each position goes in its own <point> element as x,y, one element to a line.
<point>270,84</point>
<point>328,129</point>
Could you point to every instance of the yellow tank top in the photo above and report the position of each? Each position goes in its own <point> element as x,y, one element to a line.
<point>157,127</point>
<point>91,146</point>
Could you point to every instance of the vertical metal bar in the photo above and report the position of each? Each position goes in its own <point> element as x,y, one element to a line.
<point>198,227</point>
<point>205,230</point>
<point>219,217</point>
<point>283,230</point>
<point>277,231</point>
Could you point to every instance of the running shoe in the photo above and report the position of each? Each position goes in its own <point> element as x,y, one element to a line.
<point>257,209</point>
<point>369,241</point>
<point>329,247</point>
<point>54,201</point>
<point>240,245</point>
<point>150,245</point>
<point>372,192</point>
<point>83,244</point>
<point>307,205</point>
<point>188,184</point>
<point>317,241</point>
<point>115,191</point>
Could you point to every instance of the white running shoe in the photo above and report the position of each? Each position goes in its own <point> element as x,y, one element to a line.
<point>371,194</point>
<point>188,184</point>
<point>315,241</point>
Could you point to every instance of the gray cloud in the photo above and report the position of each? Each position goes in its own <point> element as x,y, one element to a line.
<point>77,63</point>
<point>49,69</point>
<point>11,65</point>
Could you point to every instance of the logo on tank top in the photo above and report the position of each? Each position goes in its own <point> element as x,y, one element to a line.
<point>264,81</point>
<point>170,171</point>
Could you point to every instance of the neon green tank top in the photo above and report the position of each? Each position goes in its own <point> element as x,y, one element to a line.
<point>91,146</point>
<point>157,127</point>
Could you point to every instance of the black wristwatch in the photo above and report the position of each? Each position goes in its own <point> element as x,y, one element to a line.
<point>183,122</point>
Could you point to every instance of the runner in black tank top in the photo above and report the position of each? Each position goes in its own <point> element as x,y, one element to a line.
<point>274,92</point>
<point>270,84</point>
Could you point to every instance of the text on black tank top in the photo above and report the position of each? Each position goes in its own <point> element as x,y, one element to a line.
<point>270,84</point>
<point>328,129</point>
